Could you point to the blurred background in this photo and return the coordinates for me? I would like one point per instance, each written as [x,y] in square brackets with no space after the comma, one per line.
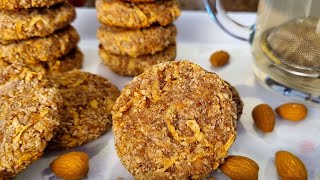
[230,5]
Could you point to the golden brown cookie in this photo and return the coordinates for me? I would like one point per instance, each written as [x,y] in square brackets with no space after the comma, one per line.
[35,50]
[141,1]
[136,42]
[174,121]
[36,22]
[237,99]
[26,4]
[73,60]
[124,14]
[86,111]
[29,117]
[130,66]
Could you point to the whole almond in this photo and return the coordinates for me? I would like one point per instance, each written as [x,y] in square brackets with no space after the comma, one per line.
[240,168]
[292,111]
[290,166]
[264,117]
[71,166]
[219,58]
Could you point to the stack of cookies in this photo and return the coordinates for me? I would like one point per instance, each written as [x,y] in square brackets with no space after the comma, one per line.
[37,34]
[136,34]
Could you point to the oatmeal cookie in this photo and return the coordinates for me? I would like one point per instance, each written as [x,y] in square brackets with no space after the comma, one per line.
[29,116]
[35,50]
[27,23]
[124,14]
[130,66]
[86,111]
[174,121]
[141,1]
[237,99]
[73,60]
[26,4]
[136,42]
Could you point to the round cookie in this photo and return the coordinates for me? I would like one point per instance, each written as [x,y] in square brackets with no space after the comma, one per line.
[141,1]
[35,50]
[237,99]
[174,121]
[124,14]
[27,23]
[26,4]
[29,117]
[130,66]
[86,111]
[136,42]
[73,60]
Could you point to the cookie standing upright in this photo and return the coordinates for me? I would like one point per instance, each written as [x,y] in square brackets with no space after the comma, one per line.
[29,117]
[34,31]
[135,33]
[175,121]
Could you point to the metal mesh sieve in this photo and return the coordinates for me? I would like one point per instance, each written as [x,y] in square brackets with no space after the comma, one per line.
[295,46]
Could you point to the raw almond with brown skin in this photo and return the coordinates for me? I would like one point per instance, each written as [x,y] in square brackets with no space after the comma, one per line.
[240,168]
[264,117]
[71,166]
[219,58]
[292,111]
[290,166]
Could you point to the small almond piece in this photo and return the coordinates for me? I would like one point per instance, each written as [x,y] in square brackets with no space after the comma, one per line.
[240,168]
[219,58]
[71,166]
[264,117]
[292,111]
[290,166]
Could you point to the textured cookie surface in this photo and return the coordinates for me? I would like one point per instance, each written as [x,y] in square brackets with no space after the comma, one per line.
[35,50]
[130,66]
[237,100]
[86,111]
[136,42]
[29,116]
[140,1]
[124,14]
[174,121]
[23,24]
[73,60]
[26,4]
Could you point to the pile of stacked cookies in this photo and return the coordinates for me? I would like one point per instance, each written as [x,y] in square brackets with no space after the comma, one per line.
[57,112]
[136,34]
[37,33]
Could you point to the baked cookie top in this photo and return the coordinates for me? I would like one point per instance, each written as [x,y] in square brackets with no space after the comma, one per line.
[140,1]
[26,4]
[125,14]
[29,116]
[35,22]
[86,111]
[174,121]
[136,42]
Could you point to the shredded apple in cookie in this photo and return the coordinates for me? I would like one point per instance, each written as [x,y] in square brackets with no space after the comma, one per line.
[174,121]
